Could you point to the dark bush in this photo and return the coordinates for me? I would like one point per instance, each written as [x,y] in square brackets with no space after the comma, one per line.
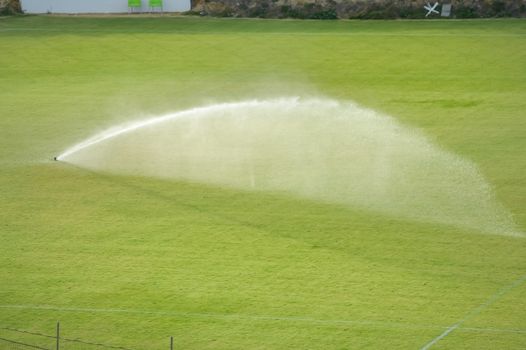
[465,11]
[362,9]
[10,7]
[324,14]
[259,10]
[287,11]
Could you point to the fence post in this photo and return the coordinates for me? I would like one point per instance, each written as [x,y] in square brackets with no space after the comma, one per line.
[58,335]
[171,343]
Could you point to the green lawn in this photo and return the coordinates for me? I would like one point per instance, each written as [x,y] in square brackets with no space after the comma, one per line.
[130,261]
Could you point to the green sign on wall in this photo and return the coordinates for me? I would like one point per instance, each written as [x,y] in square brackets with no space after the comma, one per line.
[134,3]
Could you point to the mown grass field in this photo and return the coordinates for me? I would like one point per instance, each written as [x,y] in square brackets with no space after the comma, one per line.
[130,261]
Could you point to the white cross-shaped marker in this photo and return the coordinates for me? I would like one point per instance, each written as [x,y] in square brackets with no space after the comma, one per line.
[431,9]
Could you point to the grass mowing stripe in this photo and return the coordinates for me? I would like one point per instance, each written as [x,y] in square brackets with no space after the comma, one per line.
[492,300]
[186,32]
[169,199]
[223,316]
[378,324]
[490,330]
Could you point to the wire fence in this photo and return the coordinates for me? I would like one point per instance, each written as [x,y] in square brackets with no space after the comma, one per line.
[11,338]
[13,344]
[19,339]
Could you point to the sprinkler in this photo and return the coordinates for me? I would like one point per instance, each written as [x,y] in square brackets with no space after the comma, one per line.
[55,158]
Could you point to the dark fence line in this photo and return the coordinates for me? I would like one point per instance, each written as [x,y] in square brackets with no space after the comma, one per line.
[93,344]
[28,332]
[59,342]
[22,344]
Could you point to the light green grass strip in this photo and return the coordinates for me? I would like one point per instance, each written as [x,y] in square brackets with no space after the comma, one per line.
[291,33]
[375,324]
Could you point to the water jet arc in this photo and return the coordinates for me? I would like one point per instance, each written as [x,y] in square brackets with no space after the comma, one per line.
[126,128]
[320,149]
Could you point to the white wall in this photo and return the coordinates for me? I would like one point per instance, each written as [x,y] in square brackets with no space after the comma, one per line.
[95,6]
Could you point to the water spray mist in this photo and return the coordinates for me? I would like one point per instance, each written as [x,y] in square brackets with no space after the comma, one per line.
[336,152]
